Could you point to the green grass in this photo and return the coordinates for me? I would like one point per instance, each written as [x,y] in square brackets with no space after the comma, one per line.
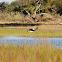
[39,33]
[40,53]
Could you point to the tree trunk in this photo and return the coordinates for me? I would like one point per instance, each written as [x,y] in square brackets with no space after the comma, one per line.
[36,10]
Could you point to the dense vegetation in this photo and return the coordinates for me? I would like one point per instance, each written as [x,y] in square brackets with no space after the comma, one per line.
[54,5]
[29,11]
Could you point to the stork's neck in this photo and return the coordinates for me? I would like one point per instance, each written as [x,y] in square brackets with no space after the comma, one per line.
[36,28]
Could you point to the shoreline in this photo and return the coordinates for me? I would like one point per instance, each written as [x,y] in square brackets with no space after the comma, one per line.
[26,24]
[43,31]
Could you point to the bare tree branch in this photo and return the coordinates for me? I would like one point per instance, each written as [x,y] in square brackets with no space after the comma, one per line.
[36,10]
[38,7]
[28,13]
[38,1]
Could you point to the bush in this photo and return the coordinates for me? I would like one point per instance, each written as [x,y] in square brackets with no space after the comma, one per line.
[57,4]
[31,9]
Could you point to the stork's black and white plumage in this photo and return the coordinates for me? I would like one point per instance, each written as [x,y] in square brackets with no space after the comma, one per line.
[32,30]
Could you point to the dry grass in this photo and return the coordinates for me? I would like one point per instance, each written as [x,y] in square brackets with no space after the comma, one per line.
[16,17]
[11,17]
[51,27]
[40,53]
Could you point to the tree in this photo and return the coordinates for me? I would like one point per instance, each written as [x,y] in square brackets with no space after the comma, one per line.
[3,6]
[57,5]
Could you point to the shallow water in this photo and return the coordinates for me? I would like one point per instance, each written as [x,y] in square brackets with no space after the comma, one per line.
[30,41]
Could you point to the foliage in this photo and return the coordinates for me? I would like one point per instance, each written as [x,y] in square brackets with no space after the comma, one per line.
[31,9]
[57,4]
[14,6]
[19,5]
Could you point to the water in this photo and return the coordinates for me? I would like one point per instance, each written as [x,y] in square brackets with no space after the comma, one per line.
[30,41]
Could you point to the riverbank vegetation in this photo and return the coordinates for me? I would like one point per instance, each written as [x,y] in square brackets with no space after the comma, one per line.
[39,53]
[29,11]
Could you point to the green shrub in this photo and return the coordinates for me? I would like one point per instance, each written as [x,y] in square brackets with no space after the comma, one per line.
[31,9]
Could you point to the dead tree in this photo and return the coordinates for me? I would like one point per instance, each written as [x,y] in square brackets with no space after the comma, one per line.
[38,3]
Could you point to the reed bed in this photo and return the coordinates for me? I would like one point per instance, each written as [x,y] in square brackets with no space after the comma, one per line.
[26,53]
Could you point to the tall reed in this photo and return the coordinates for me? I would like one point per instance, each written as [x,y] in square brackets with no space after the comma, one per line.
[26,53]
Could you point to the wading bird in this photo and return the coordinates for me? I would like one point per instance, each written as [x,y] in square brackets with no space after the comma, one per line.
[32,30]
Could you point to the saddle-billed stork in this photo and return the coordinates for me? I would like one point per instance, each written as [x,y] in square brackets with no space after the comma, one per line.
[32,30]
